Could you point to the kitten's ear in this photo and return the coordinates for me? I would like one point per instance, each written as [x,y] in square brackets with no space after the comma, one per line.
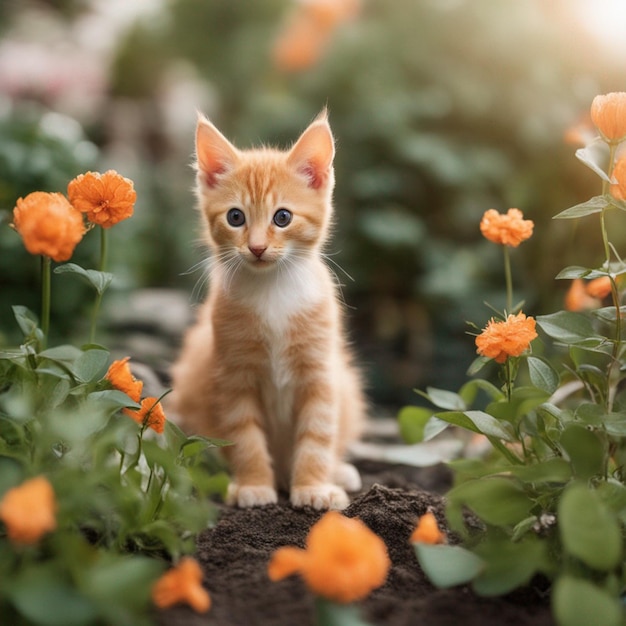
[313,153]
[214,152]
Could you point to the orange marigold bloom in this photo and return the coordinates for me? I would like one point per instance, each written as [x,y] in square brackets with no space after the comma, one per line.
[29,511]
[502,339]
[122,379]
[508,229]
[308,30]
[343,560]
[608,113]
[599,287]
[182,583]
[578,299]
[49,224]
[106,198]
[427,530]
[150,414]
[618,189]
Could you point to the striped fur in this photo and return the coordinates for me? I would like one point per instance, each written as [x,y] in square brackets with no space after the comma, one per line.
[266,365]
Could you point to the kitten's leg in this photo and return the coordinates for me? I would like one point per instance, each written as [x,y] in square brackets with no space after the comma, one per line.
[314,454]
[348,477]
[250,462]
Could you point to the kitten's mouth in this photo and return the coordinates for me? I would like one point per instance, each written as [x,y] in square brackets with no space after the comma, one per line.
[259,263]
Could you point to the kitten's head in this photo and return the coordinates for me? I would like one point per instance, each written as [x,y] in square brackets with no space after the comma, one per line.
[264,207]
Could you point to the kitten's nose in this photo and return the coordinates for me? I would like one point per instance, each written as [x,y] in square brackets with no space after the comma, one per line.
[258,252]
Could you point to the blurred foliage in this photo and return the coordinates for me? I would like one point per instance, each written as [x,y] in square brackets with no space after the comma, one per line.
[441,110]
[39,150]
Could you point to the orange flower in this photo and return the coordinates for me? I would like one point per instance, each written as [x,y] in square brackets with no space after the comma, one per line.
[28,511]
[182,583]
[150,414]
[578,299]
[608,113]
[508,230]
[618,189]
[343,560]
[502,339]
[48,224]
[122,379]
[427,530]
[599,287]
[308,31]
[106,198]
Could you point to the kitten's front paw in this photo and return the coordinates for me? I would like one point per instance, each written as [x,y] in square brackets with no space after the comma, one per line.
[348,477]
[320,497]
[246,496]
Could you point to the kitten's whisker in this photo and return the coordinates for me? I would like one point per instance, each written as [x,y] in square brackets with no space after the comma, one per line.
[331,260]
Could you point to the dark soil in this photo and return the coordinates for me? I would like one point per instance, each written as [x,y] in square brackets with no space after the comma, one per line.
[235,554]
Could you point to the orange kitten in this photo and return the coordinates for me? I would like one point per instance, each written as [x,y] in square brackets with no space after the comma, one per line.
[266,365]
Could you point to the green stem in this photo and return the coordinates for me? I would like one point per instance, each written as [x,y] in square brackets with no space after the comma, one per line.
[45,298]
[101,268]
[509,280]
[614,291]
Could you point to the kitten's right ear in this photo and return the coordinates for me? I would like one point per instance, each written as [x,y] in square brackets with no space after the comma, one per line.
[215,154]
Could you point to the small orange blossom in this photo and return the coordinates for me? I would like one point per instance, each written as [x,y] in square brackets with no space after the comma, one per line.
[343,560]
[29,511]
[150,414]
[48,224]
[122,379]
[182,583]
[106,198]
[502,339]
[578,299]
[608,113]
[599,287]
[508,229]
[427,530]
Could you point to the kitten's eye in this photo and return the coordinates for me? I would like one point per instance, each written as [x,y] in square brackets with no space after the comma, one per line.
[282,218]
[235,217]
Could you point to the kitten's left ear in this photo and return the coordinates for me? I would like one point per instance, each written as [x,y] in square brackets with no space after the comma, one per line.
[313,153]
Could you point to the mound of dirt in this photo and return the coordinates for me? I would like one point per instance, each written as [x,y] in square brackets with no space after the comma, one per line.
[235,553]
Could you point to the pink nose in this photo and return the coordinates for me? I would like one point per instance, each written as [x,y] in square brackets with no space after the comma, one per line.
[258,252]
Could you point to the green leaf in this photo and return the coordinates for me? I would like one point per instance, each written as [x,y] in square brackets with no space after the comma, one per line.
[434,427]
[111,400]
[566,326]
[577,602]
[26,319]
[508,565]
[477,364]
[594,156]
[329,613]
[479,422]
[98,280]
[593,205]
[197,443]
[584,449]
[589,529]
[122,580]
[448,566]
[551,471]
[45,598]
[572,272]
[91,365]
[542,374]
[497,500]
[470,389]
[64,354]
[443,399]
[412,420]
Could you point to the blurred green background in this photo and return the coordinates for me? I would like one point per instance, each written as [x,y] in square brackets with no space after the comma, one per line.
[441,109]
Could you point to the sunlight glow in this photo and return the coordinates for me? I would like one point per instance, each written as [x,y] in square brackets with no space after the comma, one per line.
[606,21]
